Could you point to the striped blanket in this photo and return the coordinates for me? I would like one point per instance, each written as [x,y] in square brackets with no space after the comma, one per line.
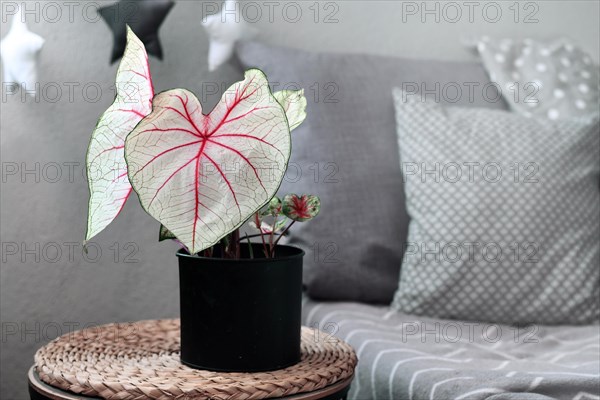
[409,357]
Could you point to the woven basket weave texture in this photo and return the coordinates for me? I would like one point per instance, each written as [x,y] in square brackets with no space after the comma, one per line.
[140,360]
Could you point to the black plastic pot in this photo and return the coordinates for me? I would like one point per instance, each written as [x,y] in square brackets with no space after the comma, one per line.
[241,315]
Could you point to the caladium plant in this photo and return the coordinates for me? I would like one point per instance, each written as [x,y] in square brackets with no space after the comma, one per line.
[201,175]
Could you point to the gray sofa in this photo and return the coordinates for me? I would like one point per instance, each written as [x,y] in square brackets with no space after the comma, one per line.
[407,357]
[354,249]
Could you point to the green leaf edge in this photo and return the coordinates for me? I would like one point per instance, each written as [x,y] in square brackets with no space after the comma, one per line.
[165,234]
[286,93]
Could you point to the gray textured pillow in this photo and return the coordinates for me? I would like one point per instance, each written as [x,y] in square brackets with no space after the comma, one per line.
[346,152]
[554,79]
[505,213]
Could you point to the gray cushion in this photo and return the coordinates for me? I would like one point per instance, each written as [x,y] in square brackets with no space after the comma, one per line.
[504,224]
[347,154]
[554,79]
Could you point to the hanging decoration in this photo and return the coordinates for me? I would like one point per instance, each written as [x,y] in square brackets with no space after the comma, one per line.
[18,51]
[144,17]
[224,30]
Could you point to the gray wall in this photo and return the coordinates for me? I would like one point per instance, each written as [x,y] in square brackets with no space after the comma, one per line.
[44,293]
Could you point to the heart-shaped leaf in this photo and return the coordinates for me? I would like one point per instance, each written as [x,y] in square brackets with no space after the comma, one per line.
[301,208]
[201,175]
[105,161]
[294,104]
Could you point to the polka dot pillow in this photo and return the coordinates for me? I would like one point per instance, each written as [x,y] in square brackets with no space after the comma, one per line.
[552,79]
[504,215]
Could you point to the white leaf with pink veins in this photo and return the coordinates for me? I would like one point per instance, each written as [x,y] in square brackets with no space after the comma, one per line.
[201,175]
[106,167]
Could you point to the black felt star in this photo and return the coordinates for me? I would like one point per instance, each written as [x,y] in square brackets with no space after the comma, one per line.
[143,17]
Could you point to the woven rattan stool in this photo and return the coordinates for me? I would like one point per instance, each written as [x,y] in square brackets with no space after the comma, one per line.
[141,361]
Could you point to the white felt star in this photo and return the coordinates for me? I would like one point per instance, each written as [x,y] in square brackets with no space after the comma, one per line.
[223,31]
[18,50]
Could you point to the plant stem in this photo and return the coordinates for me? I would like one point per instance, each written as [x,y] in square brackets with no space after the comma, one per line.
[253,236]
[250,251]
[257,222]
[235,244]
[207,252]
[283,233]
[225,250]
[271,238]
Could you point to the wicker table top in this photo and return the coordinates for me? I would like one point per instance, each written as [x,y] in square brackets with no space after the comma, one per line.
[141,360]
